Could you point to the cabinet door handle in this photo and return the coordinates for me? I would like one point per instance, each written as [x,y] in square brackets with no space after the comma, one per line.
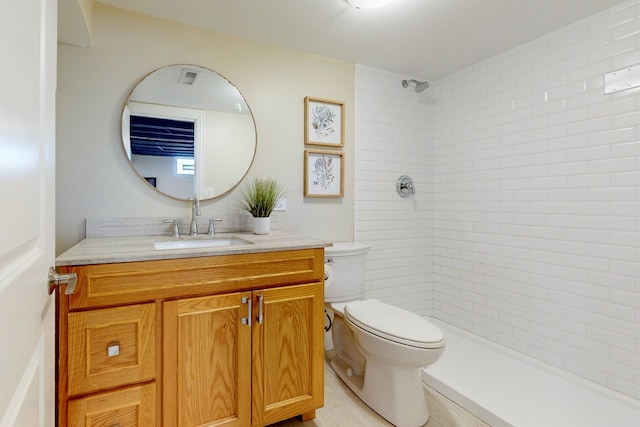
[260,316]
[247,320]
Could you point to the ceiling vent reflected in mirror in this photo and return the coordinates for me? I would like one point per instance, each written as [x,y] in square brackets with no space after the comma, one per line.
[189,77]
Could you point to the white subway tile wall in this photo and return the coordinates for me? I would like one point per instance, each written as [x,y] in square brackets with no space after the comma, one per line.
[531,178]
[394,138]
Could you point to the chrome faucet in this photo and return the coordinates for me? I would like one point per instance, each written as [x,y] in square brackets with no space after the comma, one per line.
[195,211]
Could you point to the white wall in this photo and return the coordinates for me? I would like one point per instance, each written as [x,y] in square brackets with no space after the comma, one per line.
[163,168]
[393,138]
[527,214]
[94,179]
[229,133]
[537,200]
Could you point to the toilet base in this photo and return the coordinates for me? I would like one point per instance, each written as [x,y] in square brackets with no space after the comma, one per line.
[394,393]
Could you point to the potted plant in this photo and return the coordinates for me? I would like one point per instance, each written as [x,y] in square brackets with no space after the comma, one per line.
[259,198]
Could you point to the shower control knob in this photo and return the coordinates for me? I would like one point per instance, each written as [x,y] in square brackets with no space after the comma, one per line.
[405,187]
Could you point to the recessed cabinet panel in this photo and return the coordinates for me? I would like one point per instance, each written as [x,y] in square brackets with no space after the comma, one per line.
[288,356]
[111,347]
[208,351]
[132,407]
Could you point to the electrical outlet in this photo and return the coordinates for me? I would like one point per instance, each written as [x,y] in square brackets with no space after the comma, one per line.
[281,205]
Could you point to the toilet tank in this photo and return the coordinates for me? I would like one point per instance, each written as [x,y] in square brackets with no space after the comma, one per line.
[344,271]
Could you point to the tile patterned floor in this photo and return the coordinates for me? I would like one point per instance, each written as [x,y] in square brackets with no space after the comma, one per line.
[342,408]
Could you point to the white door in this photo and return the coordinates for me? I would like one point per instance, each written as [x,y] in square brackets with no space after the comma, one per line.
[27,172]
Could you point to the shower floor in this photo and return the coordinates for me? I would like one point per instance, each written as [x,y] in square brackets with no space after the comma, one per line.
[505,388]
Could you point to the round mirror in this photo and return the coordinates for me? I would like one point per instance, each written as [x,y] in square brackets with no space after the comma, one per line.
[188,131]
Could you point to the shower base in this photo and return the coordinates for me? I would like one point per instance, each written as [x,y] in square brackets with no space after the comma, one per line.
[505,388]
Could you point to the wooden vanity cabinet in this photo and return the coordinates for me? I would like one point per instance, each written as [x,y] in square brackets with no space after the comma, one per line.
[232,340]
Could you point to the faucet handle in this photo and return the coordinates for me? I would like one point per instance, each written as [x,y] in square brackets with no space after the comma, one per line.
[173,228]
[212,228]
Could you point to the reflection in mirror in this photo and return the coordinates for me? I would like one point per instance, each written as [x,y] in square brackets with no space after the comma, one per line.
[188,131]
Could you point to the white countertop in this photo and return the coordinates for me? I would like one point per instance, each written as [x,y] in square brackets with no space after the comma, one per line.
[105,250]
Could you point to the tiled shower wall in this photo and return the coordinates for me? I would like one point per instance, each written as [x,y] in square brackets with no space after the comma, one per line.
[530,178]
[393,138]
[537,200]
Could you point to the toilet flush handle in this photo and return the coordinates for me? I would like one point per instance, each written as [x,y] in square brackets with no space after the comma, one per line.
[328,261]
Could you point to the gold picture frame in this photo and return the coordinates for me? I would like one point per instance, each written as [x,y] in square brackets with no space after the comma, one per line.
[323,122]
[323,173]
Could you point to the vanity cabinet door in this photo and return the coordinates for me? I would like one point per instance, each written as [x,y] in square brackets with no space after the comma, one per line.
[207,361]
[287,353]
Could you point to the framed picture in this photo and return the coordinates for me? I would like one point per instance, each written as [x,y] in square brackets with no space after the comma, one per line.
[323,173]
[323,122]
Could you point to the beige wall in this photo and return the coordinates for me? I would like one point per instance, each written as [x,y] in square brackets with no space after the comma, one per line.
[93,179]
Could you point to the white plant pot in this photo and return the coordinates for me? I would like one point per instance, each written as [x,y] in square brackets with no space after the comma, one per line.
[261,225]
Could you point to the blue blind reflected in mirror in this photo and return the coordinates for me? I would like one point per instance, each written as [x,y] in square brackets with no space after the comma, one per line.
[152,136]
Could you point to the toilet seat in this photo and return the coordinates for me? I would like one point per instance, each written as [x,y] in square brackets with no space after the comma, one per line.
[394,324]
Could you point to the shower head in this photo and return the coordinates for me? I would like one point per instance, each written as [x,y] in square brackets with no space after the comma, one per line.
[420,86]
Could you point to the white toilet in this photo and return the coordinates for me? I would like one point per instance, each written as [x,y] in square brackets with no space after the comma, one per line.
[380,348]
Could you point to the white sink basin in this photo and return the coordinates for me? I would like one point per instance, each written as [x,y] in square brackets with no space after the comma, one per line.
[198,243]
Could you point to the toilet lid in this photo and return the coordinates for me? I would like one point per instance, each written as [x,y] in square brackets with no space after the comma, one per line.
[394,324]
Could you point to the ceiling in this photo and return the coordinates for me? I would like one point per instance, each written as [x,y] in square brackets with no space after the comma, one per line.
[423,39]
